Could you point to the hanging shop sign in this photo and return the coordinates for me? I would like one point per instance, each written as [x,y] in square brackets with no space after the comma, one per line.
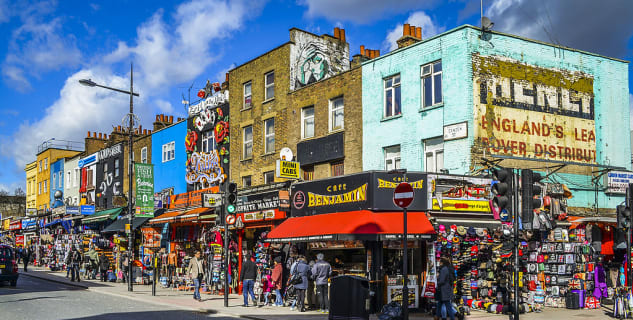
[618,181]
[211,200]
[205,167]
[31,211]
[88,160]
[15,225]
[6,224]
[384,185]
[288,169]
[527,111]
[87,209]
[19,240]
[262,215]
[29,224]
[59,210]
[72,210]
[452,193]
[258,202]
[144,189]
[456,131]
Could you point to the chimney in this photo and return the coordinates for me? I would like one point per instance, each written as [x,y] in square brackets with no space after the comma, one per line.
[226,76]
[157,118]
[144,131]
[88,136]
[343,35]
[162,118]
[140,128]
[410,35]
[362,50]
[94,134]
[119,128]
[100,135]
[337,33]
[171,119]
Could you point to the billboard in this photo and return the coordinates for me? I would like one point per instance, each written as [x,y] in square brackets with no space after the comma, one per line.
[144,189]
[450,193]
[526,111]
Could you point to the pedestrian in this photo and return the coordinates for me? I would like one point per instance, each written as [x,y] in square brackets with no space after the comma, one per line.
[67,262]
[310,294]
[445,283]
[104,265]
[267,286]
[27,257]
[321,271]
[75,260]
[277,281]
[172,262]
[248,274]
[196,272]
[125,265]
[302,269]
[93,257]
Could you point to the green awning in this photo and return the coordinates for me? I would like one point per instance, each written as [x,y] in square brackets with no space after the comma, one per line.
[103,215]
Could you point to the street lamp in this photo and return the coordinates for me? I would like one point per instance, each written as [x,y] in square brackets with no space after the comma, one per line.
[90,83]
[405,287]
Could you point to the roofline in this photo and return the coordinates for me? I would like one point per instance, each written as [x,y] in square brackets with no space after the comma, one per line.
[259,56]
[465,26]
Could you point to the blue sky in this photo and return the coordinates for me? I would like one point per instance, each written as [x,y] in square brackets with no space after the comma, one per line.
[46,46]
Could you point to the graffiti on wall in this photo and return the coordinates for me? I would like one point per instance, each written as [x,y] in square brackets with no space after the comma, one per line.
[526,111]
[109,187]
[205,168]
[313,58]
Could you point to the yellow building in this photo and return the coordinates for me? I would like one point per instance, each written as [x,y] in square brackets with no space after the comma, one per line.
[31,186]
[47,154]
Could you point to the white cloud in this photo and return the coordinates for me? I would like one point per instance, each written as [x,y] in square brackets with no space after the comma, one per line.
[164,106]
[361,11]
[418,19]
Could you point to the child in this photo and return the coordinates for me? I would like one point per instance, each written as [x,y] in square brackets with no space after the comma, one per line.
[267,286]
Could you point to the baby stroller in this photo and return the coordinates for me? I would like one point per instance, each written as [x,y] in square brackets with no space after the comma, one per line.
[290,295]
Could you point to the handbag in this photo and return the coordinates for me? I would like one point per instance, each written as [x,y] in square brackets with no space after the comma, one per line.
[296,279]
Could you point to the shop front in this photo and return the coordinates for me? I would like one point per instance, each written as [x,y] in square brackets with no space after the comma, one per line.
[353,221]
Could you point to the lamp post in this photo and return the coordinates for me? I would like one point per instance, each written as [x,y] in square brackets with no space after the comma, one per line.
[405,281]
[90,83]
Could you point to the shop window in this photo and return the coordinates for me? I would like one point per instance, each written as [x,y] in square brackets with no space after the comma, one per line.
[269,135]
[392,157]
[431,84]
[337,169]
[248,102]
[248,142]
[308,173]
[269,83]
[307,122]
[116,167]
[246,181]
[144,155]
[208,141]
[269,177]
[105,170]
[434,155]
[336,114]
[90,176]
[392,96]
[169,151]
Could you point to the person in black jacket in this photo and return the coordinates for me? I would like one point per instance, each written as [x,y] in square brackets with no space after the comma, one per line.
[75,260]
[445,284]
[104,265]
[248,274]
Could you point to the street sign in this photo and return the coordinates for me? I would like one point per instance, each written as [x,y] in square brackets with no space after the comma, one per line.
[403,195]
[230,219]
[211,200]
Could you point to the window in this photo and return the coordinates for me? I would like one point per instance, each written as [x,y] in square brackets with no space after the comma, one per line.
[105,170]
[90,183]
[336,114]
[269,135]
[40,167]
[60,180]
[45,182]
[208,141]
[269,84]
[75,201]
[54,180]
[308,173]
[169,151]
[76,180]
[434,155]
[269,177]
[392,96]
[248,102]
[68,179]
[431,84]
[248,142]
[337,169]
[116,167]
[307,122]
[144,155]
[46,164]
[392,157]
[39,191]
[246,181]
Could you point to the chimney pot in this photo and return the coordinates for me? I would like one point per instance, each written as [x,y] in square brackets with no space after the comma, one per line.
[157,117]
[337,33]
[406,30]
[418,33]
[226,76]
[362,50]
[144,131]
[377,53]
[100,135]
[412,31]
[88,136]
[171,119]
[94,134]
[343,35]
[118,129]
[140,128]
[149,131]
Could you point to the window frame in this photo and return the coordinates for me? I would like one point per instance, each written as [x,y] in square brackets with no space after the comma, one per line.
[250,181]
[45,164]
[248,105]
[45,186]
[308,173]
[270,174]
[331,112]
[433,146]
[169,152]
[144,157]
[60,179]
[68,176]
[393,95]
[396,157]
[303,122]
[54,181]
[431,76]
[268,85]
[208,136]
[267,135]
[335,166]
[39,191]
[247,144]
[116,167]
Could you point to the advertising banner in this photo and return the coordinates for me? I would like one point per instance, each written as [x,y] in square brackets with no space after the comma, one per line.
[19,240]
[526,111]
[15,225]
[288,169]
[87,209]
[451,193]
[384,185]
[144,189]
[72,210]
[258,202]
[618,181]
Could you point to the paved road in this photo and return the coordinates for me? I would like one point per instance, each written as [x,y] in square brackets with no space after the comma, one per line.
[38,299]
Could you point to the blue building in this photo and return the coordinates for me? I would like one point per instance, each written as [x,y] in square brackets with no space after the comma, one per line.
[453,101]
[57,183]
[170,159]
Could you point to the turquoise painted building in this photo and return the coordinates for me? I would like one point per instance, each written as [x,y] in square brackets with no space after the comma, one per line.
[446,103]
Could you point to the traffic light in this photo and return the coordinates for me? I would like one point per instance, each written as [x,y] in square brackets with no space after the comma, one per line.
[623,217]
[502,190]
[231,197]
[530,196]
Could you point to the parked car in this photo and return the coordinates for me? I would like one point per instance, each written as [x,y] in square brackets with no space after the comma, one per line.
[8,265]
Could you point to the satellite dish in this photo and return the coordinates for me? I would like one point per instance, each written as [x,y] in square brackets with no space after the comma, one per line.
[286,154]
[486,24]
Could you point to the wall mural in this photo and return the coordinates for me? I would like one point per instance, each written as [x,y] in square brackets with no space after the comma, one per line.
[313,58]
[109,175]
[207,139]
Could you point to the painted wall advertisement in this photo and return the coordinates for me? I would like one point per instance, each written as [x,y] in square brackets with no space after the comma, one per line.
[459,193]
[618,181]
[526,111]
[313,58]
[144,189]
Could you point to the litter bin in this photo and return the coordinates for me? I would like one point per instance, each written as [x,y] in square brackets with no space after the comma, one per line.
[349,298]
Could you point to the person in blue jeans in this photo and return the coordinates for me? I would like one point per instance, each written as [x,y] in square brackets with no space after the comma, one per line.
[277,281]
[444,290]
[248,274]
[196,272]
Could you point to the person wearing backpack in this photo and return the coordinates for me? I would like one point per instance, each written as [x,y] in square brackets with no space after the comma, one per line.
[445,284]
[302,269]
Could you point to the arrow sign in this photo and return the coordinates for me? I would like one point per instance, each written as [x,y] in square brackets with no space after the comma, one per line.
[403,195]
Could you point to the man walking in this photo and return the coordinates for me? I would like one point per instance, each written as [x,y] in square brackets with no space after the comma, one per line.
[27,257]
[104,265]
[321,271]
[196,272]
[248,275]
[75,260]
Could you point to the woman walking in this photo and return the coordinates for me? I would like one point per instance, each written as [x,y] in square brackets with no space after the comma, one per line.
[445,286]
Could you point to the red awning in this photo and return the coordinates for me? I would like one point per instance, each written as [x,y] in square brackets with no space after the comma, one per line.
[353,225]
